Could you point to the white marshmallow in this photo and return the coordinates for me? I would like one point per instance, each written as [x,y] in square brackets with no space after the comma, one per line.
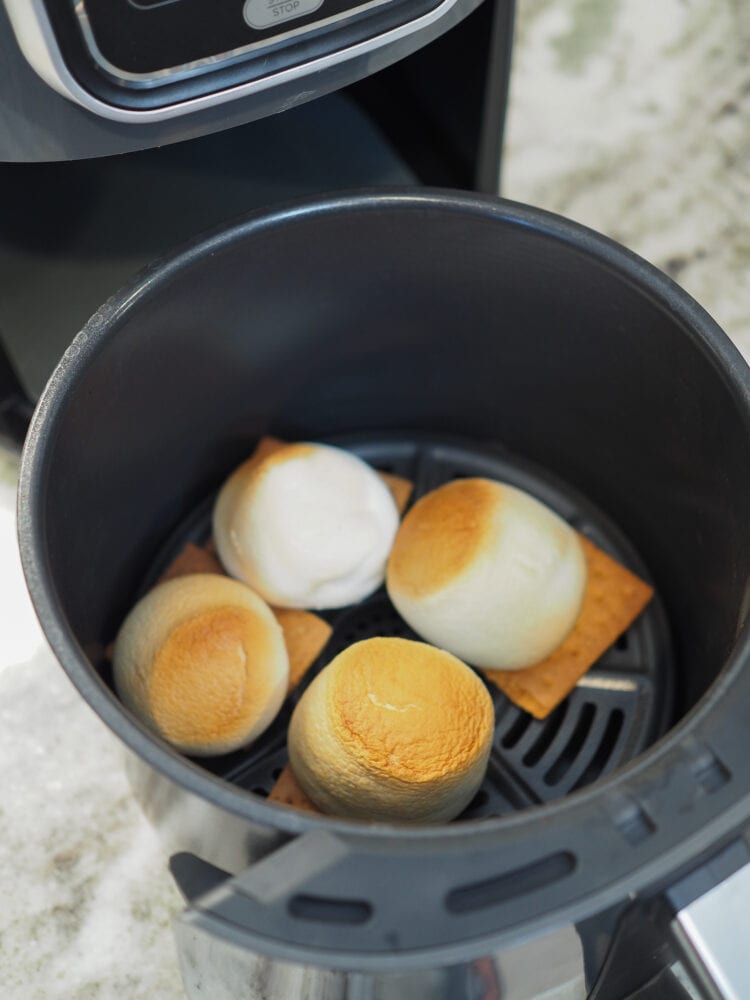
[310,526]
[488,573]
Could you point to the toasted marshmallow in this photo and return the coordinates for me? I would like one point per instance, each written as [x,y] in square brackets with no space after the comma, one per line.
[310,526]
[487,572]
[201,660]
[392,730]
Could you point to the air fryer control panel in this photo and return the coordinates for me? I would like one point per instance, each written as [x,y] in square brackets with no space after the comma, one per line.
[148,54]
[137,41]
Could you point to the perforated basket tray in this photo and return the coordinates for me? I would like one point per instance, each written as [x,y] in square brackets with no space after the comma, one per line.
[617,709]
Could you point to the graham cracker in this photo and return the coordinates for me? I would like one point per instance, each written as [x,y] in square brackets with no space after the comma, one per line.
[613,599]
[305,635]
[401,489]
[192,559]
[265,447]
[288,792]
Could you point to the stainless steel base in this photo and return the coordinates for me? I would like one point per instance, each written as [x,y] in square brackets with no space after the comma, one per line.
[549,968]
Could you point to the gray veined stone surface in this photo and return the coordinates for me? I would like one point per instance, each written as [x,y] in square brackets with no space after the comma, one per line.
[87,903]
[632,116]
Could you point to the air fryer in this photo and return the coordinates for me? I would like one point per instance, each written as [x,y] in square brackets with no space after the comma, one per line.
[437,335]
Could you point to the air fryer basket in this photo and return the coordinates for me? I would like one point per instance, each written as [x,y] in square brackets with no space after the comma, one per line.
[400,319]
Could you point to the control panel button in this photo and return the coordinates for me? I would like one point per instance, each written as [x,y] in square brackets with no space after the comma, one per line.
[261,14]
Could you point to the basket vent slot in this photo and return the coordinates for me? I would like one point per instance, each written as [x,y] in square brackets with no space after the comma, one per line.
[516,731]
[325,910]
[511,885]
[710,773]
[604,751]
[544,741]
[573,747]
[634,823]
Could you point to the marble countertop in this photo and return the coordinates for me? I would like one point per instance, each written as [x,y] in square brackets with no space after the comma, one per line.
[633,117]
[87,900]
[628,115]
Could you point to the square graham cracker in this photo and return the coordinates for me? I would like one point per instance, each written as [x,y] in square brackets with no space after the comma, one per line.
[192,559]
[305,636]
[613,599]
[288,792]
